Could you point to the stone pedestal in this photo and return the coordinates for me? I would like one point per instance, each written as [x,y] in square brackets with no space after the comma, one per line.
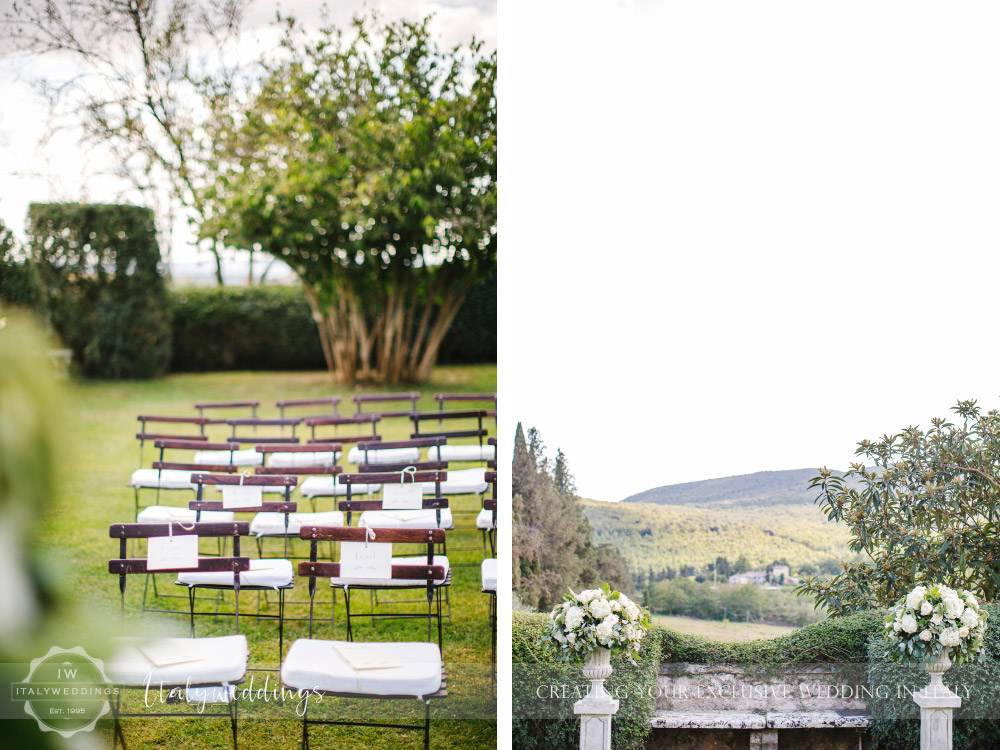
[597,707]
[936,703]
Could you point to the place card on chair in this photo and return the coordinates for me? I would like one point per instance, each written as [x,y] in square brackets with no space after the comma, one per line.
[361,560]
[168,654]
[178,552]
[360,656]
[242,496]
[403,496]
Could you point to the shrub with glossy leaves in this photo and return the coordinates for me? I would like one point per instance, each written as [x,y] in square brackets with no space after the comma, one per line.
[923,507]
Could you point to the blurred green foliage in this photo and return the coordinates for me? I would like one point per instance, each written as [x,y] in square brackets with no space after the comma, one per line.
[102,289]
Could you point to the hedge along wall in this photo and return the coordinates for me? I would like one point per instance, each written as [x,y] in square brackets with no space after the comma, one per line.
[271,328]
[101,288]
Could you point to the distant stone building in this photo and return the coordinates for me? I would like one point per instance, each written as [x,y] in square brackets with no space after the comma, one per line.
[758,577]
[781,574]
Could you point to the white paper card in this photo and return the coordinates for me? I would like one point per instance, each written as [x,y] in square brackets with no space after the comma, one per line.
[177,552]
[402,496]
[366,656]
[242,496]
[360,560]
[163,654]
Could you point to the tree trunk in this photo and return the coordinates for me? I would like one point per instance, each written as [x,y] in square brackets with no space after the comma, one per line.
[450,306]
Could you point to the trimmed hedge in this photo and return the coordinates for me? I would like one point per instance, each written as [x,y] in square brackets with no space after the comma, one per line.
[896,718]
[243,328]
[836,640]
[272,328]
[102,292]
[545,690]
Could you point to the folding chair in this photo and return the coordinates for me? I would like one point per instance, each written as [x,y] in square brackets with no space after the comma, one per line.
[204,406]
[235,424]
[486,521]
[218,664]
[383,398]
[315,666]
[397,452]
[443,398]
[434,513]
[337,423]
[488,573]
[476,452]
[292,463]
[263,575]
[298,403]
[428,572]
[175,475]
[144,435]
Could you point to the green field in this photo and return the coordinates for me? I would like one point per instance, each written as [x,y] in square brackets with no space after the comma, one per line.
[721,631]
[98,455]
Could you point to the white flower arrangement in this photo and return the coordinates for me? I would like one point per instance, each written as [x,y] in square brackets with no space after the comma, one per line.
[934,618]
[593,619]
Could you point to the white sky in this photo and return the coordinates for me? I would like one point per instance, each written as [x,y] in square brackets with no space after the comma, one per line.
[748,235]
[62,171]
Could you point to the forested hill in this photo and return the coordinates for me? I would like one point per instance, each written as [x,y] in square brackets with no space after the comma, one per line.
[763,488]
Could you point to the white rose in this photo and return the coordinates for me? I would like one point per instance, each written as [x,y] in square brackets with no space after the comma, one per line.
[963,632]
[599,608]
[969,618]
[909,623]
[926,635]
[926,609]
[896,626]
[936,619]
[611,620]
[574,618]
[916,596]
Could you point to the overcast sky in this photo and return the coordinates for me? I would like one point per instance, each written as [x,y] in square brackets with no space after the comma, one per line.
[748,234]
[62,171]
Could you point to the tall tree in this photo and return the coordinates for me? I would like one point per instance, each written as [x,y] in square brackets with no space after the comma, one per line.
[367,161]
[562,476]
[138,78]
[553,547]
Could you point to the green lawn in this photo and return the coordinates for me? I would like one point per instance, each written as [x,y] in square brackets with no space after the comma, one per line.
[721,631]
[99,454]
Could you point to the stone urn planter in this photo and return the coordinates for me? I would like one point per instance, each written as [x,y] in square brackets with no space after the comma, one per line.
[597,707]
[936,703]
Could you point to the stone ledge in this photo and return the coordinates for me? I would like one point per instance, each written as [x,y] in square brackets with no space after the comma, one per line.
[759,720]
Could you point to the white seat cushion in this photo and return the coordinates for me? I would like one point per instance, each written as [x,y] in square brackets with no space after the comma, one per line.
[270,573]
[167,479]
[462,453]
[248,457]
[273,524]
[406,519]
[389,582]
[489,574]
[303,459]
[167,514]
[485,520]
[224,660]
[462,482]
[327,487]
[383,455]
[316,665]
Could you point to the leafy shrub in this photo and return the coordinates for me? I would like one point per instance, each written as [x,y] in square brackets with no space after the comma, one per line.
[684,596]
[18,280]
[544,691]
[895,718]
[272,328]
[98,267]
